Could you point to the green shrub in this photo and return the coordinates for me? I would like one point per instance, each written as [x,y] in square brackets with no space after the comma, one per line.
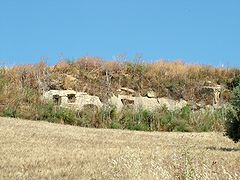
[183,120]
[65,115]
[126,118]
[10,111]
[185,113]
[177,120]
[143,117]
[207,120]
[179,125]
[51,113]
[110,117]
[232,124]
[136,119]
[139,127]
[234,82]
[45,112]
[165,120]
[89,116]
[235,100]
[109,113]
[115,125]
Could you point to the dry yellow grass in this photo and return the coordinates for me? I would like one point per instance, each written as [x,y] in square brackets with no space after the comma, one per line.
[41,150]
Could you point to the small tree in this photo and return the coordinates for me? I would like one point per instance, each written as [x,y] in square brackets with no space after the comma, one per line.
[232,124]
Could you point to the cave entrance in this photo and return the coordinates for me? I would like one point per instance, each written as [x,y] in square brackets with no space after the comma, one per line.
[56,99]
[71,98]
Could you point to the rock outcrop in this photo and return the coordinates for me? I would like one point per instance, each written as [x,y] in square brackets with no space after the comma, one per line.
[147,103]
[77,100]
[215,90]
[71,99]
[151,94]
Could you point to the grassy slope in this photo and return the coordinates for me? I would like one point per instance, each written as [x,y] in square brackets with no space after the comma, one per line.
[30,149]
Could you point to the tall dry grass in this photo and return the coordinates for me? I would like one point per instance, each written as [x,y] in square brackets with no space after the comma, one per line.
[40,150]
[174,79]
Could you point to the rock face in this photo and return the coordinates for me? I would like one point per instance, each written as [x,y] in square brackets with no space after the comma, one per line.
[71,99]
[215,90]
[150,104]
[126,91]
[114,100]
[77,101]
[155,103]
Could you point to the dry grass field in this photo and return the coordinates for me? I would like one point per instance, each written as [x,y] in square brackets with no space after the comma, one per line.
[41,150]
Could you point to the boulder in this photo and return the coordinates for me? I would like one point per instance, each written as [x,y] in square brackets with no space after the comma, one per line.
[151,94]
[180,104]
[126,91]
[146,103]
[115,101]
[71,99]
[169,103]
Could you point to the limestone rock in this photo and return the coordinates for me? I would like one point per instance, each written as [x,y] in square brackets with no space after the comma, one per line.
[126,91]
[146,103]
[114,100]
[71,99]
[151,94]
[215,90]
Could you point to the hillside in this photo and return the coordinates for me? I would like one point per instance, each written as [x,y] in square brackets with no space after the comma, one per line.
[33,149]
[22,88]
[173,79]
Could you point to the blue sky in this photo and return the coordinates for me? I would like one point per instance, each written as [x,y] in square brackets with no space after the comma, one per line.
[203,32]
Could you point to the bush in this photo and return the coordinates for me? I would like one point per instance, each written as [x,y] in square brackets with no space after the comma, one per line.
[232,124]
[45,112]
[10,112]
[177,120]
[51,113]
[140,120]
[207,120]
[115,125]
[89,116]
[66,115]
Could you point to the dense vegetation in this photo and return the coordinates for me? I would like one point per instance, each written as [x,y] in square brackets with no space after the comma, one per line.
[21,88]
[233,116]
[183,120]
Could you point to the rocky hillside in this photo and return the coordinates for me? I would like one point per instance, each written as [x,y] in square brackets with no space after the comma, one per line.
[175,80]
[22,88]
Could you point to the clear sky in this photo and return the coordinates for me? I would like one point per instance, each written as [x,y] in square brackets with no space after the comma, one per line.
[196,31]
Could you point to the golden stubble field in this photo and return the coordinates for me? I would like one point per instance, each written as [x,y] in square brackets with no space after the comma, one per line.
[41,150]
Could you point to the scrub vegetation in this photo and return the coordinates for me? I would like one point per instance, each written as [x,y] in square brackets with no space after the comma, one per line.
[232,123]
[174,80]
[21,88]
